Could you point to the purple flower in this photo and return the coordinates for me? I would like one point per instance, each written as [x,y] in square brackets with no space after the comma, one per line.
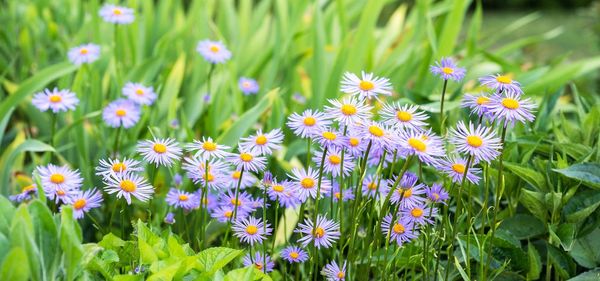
[455,166]
[345,195]
[246,159]
[27,193]
[370,187]
[139,93]
[181,199]
[480,142]
[511,108]
[251,230]
[248,86]
[259,262]
[294,254]
[306,182]
[333,272]
[121,112]
[213,51]
[501,83]
[425,145]
[436,193]
[407,194]
[169,218]
[419,214]
[447,69]
[322,234]
[55,100]
[84,201]
[244,201]
[309,124]
[263,143]
[401,231]
[333,162]
[478,103]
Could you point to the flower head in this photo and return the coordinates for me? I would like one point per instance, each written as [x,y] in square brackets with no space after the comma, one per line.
[213,175]
[322,234]
[480,142]
[401,230]
[169,218]
[225,213]
[251,230]
[511,108]
[455,168]
[244,202]
[436,193]
[181,199]
[84,201]
[367,86]
[306,182]
[121,113]
[408,193]
[213,51]
[117,14]
[333,272]
[478,103]
[309,124]
[420,214]
[375,187]
[334,162]
[110,165]
[329,137]
[86,53]
[403,116]
[27,193]
[294,254]
[259,262]
[55,100]
[447,69]
[280,189]
[59,183]
[160,151]
[378,134]
[234,177]
[263,143]
[338,194]
[207,149]
[127,185]
[424,144]
[247,160]
[349,111]
[248,86]
[139,93]
[501,83]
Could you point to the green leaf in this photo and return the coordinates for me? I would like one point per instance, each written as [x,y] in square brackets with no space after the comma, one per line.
[535,203]
[22,235]
[233,134]
[15,266]
[213,259]
[588,173]
[535,263]
[70,243]
[7,211]
[46,236]
[523,226]
[592,275]
[531,176]
[563,263]
[586,250]
[247,273]
[581,205]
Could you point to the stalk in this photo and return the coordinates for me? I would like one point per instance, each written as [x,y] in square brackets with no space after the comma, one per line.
[442,108]
[316,258]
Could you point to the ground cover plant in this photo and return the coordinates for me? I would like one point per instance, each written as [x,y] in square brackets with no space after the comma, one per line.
[291,140]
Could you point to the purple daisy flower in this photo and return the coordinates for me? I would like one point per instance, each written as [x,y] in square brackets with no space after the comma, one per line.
[345,195]
[447,69]
[86,53]
[244,201]
[248,86]
[403,116]
[511,108]
[247,160]
[160,151]
[207,149]
[367,86]
[309,124]
[263,143]
[117,14]
[349,111]
[276,190]
[480,142]
[294,254]
[215,178]
[84,201]
[455,166]
[27,193]
[329,137]
[477,103]
[436,193]
[419,214]
[333,272]
[121,113]
[225,213]
[258,261]
[425,145]
[323,234]
[181,199]
[333,161]
[369,187]
[213,51]
[233,178]
[55,100]
[139,93]
[407,194]
[59,183]
[354,142]
[306,182]
[501,83]
[401,231]
[109,165]
[251,230]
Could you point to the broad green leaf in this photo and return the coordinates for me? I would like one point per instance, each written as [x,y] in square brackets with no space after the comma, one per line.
[70,243]
[563,263]
[535,203]
[588,173]
[586,250]
[523,226]
[22,235]
[592,275]
[213,259]
[581,205]
[531,176]
[15,266]
[147,253]
[46,236]
[535,263]
[166,272]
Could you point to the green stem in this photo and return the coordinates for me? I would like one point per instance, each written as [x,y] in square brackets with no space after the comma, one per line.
[316,264]
[116,145]
[442,108]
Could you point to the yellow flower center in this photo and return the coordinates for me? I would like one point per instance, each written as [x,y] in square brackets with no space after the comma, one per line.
[214,48]
[235,202]
[260,140]
[128,186]
[416,212]
[211,177]
[183,197]
[294,255]
[251,229]
[209,146]
[228,214]
[236,175]
[319,232]
[335,160]
[341,275]
[310,121]
[503,79]
[79,204]
[366,85]
[338,195]
[159,148]
[329,136]
[447,70]
[404,116]
[399,229]
[121,112]
[376,131]
[55,98]
[139,92]
[510,103]
[474,141]
[436,196]
[83,51]
[117,12]
[258,265]
[407,192]
[60,192]
[372,186]
[28,188]
[278,188]
[417,144]
[482,100]
[348,109]
[246,84]
[57,178]
[119,167]
[307,183]
[459,168]
[246,157]
[354,142]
